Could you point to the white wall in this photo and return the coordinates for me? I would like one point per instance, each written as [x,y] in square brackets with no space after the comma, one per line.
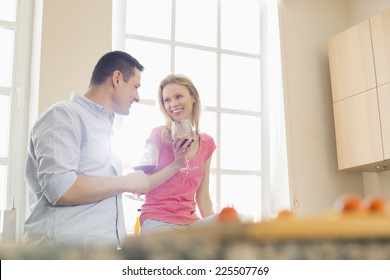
[73,35]
[360,10]
[314,178]
[306,26]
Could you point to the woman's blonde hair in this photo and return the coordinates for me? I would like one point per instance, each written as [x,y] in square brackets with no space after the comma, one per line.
[181,80]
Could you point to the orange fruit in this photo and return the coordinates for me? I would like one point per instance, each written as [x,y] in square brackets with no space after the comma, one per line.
[351,204]
[377,205]
[228,214]
[285,214]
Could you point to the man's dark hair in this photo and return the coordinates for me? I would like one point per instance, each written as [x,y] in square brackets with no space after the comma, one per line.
[112,61]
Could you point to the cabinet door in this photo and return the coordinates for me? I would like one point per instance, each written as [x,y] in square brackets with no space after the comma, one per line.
[358,132]
[380,32]
[351,61]
[384,110]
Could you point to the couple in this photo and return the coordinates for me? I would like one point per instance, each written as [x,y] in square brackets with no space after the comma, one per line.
[76,181]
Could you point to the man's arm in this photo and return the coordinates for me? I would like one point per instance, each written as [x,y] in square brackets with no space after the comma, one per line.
[92,189]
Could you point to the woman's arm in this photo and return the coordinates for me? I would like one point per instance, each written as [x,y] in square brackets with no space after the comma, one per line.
[202,196]
[180,161]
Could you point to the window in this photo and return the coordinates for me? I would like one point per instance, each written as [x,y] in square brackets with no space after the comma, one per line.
[15,37]
[7,47]
[217,43]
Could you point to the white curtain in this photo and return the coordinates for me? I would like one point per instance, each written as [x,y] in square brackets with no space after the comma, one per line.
[275,184]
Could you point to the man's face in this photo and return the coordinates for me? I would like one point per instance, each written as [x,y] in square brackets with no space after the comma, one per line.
[127,93]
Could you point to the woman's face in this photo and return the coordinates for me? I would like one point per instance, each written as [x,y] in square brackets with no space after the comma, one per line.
[178,102]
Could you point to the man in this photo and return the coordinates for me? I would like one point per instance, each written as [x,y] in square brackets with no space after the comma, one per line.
[75,178]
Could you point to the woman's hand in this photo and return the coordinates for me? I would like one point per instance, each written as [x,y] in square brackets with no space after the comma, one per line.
[180,147]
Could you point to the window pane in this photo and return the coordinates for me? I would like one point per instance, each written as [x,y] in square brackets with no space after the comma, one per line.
[239,32]
[208,124]
[136,129]
[4,124]
[243,193]
[6,56]
[246,131]
[240,83]
[8,10]
[156,60]
[201,68]
[196,22]
[149,18]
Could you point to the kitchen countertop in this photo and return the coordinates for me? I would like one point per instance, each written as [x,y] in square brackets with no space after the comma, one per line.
[275,240]
[331,239]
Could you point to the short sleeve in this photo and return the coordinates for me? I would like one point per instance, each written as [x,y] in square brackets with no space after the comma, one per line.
[210,144]
[155,135]
[159,135]
[56,141]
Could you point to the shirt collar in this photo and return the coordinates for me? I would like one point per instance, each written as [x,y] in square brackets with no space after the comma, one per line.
[91,106]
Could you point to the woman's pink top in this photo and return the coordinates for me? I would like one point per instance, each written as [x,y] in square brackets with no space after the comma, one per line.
[173,201]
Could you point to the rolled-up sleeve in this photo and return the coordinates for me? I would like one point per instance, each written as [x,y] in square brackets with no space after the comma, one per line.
[57,152]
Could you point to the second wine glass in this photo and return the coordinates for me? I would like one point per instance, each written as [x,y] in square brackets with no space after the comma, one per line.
[149,158]
[146,163]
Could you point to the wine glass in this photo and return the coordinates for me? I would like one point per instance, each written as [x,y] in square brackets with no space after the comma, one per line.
[184,129]
[146,163]
[149,158]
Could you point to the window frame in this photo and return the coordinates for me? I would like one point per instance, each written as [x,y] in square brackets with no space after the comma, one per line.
[16,187]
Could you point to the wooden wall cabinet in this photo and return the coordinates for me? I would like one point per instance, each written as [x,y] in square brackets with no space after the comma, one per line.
[359,61]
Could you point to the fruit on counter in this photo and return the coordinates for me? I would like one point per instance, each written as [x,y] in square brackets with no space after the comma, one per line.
[355,204]
[285,214]
[350,204]
[228,214]
[377,205]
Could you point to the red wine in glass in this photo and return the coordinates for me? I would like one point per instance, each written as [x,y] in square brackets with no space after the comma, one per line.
[186,140]
[183,128]
[149,158]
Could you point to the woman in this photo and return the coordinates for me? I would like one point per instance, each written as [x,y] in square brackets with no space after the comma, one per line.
[173,204]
